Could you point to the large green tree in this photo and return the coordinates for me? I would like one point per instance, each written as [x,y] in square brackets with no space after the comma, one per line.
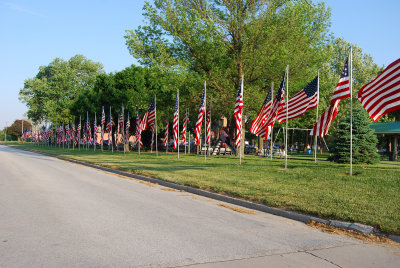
[50,94]
[16,128]
[220,41]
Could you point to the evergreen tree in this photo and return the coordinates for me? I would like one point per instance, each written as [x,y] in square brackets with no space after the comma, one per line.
[364,140]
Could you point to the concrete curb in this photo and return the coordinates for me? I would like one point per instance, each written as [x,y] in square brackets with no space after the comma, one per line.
[357,227]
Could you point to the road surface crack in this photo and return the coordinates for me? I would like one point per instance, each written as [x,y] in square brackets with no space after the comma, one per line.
[323,259]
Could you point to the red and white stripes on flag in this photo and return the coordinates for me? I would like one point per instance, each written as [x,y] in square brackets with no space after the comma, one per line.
[208,124]
[166,134]
[342,91]
[276,106]
[237,114]
[197,128]
[95,130]
[127,127]
[306,99]
[184,127]
[382,95]
[109,129]
[103,121]
[138,132]
[262,114]
[120,128]
[176,121]
[89,130]
[149,117]
[322,126]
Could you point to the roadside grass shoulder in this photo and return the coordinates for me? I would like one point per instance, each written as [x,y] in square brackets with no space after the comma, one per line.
[323,189]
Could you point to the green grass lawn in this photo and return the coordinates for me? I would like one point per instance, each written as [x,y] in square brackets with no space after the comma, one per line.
[323,189]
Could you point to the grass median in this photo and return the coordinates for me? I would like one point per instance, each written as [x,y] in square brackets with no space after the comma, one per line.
[323,189]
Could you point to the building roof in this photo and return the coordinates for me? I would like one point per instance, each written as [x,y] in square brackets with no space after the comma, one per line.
[386,128]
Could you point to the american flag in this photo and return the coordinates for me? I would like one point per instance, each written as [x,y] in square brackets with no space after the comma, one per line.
[306,99]
[208,124]
[120,128]
[342,91]
[176,121]
[84,134]
[262,114]
[237,114]
[276,106]
[103,121]
[197,128]
[109,129]
[95,130]
[382,95]
[127,127]
[184,127]
[149,117]
[67,133]
[78,136]
[88,130]
[166,134]
[73,131]
[138,132]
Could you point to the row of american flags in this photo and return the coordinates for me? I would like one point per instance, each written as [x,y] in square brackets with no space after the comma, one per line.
[378,97]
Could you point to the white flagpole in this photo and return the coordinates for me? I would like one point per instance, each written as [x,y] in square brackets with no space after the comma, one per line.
[177,133]
[351,111]
[186,128]
[155,123]
[316,120]
[272,128]
[287,107]
[205,121]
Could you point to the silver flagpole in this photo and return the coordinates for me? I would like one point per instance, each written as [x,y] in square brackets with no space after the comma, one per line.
[351,111]
[287,107]
[272,128]
[177,133]
[316,120]
[205,121]
[155,104]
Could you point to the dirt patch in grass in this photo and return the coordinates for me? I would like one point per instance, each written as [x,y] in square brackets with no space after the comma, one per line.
[370,238]
[237,209]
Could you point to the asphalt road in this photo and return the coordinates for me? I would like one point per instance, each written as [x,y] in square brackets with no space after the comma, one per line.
[57,214]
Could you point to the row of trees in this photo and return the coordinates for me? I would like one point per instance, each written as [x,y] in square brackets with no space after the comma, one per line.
[185,43]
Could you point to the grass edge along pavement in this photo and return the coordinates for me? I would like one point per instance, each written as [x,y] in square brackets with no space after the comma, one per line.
[322,190]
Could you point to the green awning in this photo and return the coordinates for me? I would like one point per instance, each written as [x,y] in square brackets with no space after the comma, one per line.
[386,128]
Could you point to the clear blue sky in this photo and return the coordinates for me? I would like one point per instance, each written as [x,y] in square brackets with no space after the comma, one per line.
[33,33]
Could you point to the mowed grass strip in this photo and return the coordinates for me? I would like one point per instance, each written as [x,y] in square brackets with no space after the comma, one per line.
[323,189]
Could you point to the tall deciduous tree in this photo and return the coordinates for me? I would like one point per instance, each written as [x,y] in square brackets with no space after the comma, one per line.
[222,40]
[50,94]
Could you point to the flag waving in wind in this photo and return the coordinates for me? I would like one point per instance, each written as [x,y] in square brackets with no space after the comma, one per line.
[304,100]
[138,132]
[149,117]
[184,127]
[342,91]
[166,134]
[237,114]
[382,95]
[262,114]
[197,128]
[276,106]
[176,121]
